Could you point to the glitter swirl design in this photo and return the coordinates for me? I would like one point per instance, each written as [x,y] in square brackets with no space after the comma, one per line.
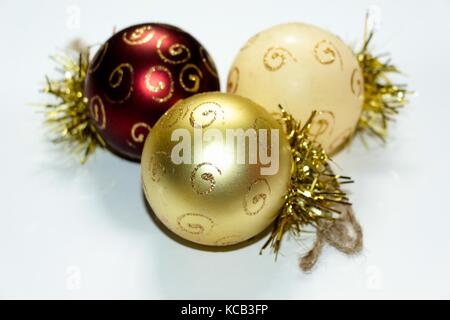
[156,167]
[116,81]
[194,77]
[195,223]
[233,80]
[97,61]
[178,52]
[164,79]
[356,83]
[250,42]
[277,57]
[326,52]
[172,116]
[255,201]
[205,114]
[139,36]
[341,140]
[98,112]
[229,240]
[139,132]
[322,123]
[207,176]
[208,62]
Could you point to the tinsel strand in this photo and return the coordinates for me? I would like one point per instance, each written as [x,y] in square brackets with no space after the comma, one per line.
[382,97]
[68,118]
[314,192]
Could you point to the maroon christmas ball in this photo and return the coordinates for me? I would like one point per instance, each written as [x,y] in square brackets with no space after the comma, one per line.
[137,75]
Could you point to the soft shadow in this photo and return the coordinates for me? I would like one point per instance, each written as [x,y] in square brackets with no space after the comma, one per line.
[186,270]
[173,236]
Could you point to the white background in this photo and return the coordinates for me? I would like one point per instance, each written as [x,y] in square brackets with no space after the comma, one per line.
[71,231]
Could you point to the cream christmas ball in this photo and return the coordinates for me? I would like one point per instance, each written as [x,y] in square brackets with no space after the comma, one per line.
[302,68]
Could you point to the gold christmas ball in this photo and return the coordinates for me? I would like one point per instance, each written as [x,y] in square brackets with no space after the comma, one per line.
[215,169]
[303,68]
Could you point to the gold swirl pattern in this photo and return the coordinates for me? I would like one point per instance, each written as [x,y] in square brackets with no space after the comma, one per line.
[326,53]
[261,123]
[139,36]
[233,80]
[195,223]
[207,176]
[140,138]
[208,62]
[228,240]
[98,112]
[96,62]
[172,116]
[276,57]
[156,168]
[162,85]
[322,123]
[205,114]
[116,79]
[175,50]
[195,78]
[341,140]
[258,200]
[356,83]
[250,42]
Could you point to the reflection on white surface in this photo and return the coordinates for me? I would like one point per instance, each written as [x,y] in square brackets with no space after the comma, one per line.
[71,231]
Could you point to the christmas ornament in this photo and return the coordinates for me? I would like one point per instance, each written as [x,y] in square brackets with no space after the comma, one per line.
[212,199]
[135,76]
[305,68]
[218,169]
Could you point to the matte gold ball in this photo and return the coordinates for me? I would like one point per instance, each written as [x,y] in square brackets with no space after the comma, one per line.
[215,169]
[303,68]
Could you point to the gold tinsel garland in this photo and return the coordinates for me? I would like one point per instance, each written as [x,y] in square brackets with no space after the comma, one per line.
[68,118]
[382,97]
[315,191]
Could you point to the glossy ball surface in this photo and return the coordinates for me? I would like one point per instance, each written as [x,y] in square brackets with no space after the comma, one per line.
[137,75]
